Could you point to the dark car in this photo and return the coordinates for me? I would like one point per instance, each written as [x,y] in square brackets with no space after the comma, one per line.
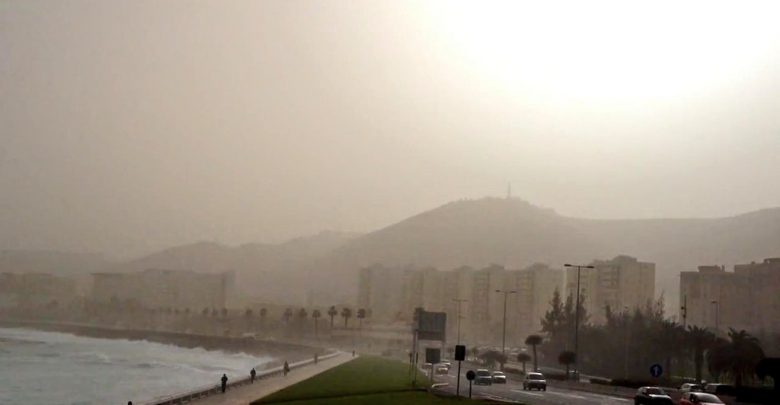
[535,381]
[719,389]
[483,377]
[651,396]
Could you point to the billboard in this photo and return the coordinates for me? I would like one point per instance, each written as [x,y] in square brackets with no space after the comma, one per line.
[430,325]
[432,355]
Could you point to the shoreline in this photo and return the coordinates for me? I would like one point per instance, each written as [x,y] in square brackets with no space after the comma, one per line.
[278,351]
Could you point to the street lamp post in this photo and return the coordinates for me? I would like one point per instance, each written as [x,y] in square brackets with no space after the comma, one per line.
[577,315]
[717,314]
[459,301]
[503,338]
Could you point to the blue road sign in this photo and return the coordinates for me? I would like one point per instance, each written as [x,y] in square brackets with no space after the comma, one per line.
[656,370]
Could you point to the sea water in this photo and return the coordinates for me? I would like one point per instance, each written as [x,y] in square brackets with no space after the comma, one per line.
[56,368]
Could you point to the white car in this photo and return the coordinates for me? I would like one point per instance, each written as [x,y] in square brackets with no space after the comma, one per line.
[483,377]
[499,377]
[535,381]
[688,387]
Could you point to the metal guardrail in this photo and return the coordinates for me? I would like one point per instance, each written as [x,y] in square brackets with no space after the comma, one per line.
[203,392]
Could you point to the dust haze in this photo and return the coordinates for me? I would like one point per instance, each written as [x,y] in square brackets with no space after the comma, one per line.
[283,179]
[128,128]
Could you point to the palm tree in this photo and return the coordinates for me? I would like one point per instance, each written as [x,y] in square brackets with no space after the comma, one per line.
[316,314]
[700,340]
[567,358]
[302,314]
[533,341]
[522,358]
[669,334]
[263,314]
[346,313]
[736,357]
[491,357]
[361,314]
[332,312]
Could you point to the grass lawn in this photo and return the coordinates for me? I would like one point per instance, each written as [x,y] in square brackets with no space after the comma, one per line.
[365,380]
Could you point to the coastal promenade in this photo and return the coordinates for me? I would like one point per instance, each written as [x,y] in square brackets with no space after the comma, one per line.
[246,393]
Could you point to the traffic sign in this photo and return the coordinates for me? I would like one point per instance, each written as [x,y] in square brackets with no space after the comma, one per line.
[656,370]
[470,375]
[460,352]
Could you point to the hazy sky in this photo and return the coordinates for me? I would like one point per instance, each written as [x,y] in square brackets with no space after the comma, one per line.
[127,126]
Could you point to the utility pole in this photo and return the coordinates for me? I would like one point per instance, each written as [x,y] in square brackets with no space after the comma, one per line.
[628,334]
[577,315]
[459,301]
[503,338]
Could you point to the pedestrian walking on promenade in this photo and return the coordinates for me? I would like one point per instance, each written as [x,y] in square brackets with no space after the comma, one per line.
[286,368]
[224,383]
[252,374]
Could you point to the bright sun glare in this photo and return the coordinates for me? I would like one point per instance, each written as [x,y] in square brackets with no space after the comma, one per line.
[610,50]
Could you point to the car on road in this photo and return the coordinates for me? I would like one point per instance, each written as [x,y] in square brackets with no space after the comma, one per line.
[499,377]
[699,398]
[719,389]
[690,387]
[441,369]
[534,381]
[652,396]
[483,377]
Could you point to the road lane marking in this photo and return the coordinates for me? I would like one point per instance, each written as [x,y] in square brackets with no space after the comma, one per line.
[568,395]
[536,394]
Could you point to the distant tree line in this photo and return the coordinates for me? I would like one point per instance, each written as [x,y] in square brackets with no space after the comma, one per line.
[629,342]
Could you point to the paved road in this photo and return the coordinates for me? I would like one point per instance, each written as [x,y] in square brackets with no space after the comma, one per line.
[513,391]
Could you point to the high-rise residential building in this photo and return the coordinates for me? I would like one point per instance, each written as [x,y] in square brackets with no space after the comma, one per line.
[35,289]
[379,292]
[400,290]
[486,304]
[746,298]
[763,294]
[154,288]
[423,288]
[621,283]
[458,285]
[535,286]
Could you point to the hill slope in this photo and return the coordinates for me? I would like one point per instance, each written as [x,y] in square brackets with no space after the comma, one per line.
[516,234]
[264,271]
